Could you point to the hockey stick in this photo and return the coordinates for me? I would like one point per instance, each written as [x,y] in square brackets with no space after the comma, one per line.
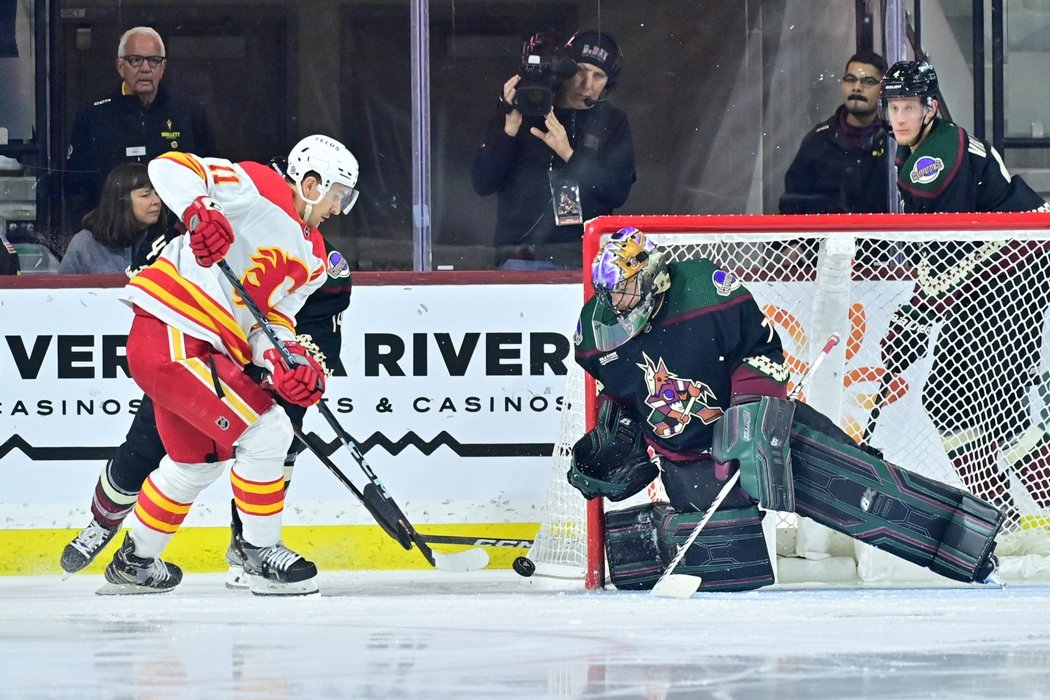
[876,410]
[388,519]
[374,496]
[502,543]
[672,585]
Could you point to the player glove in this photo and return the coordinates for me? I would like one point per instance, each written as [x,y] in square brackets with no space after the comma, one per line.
[907,338]
[303,382]
[210,231]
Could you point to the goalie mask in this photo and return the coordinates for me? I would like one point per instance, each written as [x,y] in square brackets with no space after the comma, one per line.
[629,278]
[332,163]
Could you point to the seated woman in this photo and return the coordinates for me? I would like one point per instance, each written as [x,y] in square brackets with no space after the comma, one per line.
[129,210]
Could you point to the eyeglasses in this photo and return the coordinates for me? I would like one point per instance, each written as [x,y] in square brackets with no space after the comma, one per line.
[866,81]
[136,61]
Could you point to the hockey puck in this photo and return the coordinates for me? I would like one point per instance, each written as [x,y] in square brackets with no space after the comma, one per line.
[524,567]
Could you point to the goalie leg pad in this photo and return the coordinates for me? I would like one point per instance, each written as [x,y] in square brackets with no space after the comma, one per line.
[757,436]
[729,554]
[921,520]
[631,548]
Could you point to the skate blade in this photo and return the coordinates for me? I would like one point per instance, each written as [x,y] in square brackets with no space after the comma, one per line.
[470,560]
[236,579]
[128,589]
[264,586]
[676,586]
[994,579]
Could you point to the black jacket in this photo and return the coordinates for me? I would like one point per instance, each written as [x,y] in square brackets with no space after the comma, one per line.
[838,169]
[116,130]
[516,169]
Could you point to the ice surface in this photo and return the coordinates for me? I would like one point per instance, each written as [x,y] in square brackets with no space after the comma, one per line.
[489,634]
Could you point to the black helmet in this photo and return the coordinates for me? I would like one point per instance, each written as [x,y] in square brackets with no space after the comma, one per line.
[910,79]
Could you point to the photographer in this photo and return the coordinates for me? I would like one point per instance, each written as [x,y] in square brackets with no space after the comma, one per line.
[556,152]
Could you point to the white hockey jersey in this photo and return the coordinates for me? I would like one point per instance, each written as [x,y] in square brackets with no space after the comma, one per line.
[278,259]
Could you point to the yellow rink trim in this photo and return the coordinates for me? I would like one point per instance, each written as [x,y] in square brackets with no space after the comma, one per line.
[331,547]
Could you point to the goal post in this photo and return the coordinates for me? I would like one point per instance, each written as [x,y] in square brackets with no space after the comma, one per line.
[973,410]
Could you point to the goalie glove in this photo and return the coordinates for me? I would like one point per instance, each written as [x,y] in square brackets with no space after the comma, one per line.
[303,383]
[210,231]
[907,338]
[611,460]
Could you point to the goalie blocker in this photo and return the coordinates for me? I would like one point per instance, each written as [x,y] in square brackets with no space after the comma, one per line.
[833,481]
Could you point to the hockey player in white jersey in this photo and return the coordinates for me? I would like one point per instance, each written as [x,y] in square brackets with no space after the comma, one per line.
[192,337]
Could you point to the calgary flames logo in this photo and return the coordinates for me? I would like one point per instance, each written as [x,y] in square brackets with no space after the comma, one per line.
[272,276]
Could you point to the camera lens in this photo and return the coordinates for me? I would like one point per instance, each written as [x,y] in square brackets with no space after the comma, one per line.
[534,100]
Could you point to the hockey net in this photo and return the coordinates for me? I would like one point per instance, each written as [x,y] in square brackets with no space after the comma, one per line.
[972,411]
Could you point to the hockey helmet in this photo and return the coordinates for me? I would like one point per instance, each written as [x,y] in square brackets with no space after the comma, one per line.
[908,79]
[629,267]
[332,163]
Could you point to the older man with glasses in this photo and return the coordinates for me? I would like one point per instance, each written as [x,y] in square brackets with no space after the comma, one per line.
[140,121]
[841,165]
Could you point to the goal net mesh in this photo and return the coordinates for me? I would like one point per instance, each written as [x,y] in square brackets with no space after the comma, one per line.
[962,304]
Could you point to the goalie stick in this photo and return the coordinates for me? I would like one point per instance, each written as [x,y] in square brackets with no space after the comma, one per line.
[672,585]
[374,496]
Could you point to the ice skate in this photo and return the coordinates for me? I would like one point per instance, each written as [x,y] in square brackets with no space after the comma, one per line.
[128,574]
[235,576]
[86,546]
[277,570]
[990,574]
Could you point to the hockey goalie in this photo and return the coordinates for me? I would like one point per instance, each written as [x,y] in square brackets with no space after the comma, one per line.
[693,388]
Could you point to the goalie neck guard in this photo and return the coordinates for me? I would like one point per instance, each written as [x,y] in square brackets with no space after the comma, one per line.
[629,278]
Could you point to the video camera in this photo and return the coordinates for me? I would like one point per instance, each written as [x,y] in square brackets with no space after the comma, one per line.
[541,72]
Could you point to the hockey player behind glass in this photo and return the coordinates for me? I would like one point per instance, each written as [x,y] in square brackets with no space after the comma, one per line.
[191,338]
[693,387]
[989,296]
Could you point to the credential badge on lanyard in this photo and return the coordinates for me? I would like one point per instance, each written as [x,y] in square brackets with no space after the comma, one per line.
[565,196]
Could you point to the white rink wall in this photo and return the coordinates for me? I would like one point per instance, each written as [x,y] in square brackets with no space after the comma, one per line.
[453,391]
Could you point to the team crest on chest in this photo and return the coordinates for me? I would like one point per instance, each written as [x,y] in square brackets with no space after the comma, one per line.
[675,401]
[926,170]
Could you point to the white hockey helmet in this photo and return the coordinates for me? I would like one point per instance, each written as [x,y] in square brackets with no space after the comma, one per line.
[332,163]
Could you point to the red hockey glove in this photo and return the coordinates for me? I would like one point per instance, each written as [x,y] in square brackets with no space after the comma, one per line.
[906,340]
[303,382]
[210,231]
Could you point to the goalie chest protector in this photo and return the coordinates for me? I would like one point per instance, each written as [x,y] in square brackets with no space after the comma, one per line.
[676,372]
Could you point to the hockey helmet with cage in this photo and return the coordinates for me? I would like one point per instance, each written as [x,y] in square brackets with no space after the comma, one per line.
[907,79]
[334,166]
[629,277]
